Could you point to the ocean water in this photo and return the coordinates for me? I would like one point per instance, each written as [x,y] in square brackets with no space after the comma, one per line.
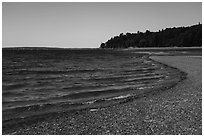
[40,81]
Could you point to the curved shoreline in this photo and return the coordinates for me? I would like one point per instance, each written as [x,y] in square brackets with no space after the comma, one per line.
[140,117]
[168,77]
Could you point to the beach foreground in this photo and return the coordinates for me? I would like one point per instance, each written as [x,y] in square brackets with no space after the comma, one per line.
[174,111]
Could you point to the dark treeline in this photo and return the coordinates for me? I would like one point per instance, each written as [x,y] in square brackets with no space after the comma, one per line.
[169,37]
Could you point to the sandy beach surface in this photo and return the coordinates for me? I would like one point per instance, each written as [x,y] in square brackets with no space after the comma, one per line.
[174,111]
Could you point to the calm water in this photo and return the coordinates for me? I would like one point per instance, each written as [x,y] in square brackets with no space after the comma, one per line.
[40,81]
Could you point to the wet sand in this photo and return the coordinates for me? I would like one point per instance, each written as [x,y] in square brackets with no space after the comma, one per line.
[174,111]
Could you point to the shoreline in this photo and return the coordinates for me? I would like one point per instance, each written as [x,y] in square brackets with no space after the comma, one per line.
[108,118]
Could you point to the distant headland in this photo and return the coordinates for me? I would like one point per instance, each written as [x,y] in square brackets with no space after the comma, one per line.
[190,36]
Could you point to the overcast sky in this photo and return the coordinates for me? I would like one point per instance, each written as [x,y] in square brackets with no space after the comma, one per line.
[86,25]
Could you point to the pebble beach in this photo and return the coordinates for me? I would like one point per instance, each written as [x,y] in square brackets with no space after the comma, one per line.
[174,111]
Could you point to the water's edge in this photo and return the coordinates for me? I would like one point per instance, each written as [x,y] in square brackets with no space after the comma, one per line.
[8,125]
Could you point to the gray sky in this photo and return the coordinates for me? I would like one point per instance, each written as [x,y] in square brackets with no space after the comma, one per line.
[86,25]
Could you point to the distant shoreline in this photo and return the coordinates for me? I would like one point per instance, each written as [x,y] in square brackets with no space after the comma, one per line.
[167,48]
[131,49]
[44,48]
